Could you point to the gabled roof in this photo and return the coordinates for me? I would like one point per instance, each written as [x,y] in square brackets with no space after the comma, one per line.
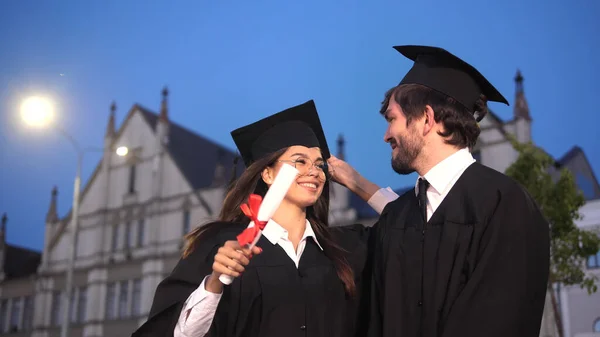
[196,156]
[571,155]
[20,262]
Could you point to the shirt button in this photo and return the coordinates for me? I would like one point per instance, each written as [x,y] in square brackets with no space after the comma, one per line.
[303,327]
[420,303]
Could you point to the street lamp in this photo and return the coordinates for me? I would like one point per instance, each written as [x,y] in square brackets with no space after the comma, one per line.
[38,112]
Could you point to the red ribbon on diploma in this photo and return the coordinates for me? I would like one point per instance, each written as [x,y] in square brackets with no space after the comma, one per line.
[251,211]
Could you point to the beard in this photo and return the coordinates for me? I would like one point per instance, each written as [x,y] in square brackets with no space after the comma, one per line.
[408,149]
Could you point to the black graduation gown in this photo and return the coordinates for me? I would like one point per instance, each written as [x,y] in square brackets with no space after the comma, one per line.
[272,297]
[479,267]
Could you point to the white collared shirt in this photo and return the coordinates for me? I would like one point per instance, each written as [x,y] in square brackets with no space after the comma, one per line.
[200,307]
[441,178]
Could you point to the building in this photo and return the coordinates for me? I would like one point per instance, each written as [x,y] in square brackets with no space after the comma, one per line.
[581,311]
[18,268]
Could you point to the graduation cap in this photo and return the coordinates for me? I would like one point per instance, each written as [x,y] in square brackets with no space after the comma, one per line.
[298,125]
[438,69]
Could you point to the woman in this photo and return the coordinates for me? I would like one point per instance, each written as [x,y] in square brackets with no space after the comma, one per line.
[302,279]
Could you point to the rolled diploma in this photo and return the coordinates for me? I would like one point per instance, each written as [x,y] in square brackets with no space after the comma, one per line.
[284,179]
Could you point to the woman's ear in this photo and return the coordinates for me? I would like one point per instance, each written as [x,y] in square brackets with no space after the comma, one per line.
[267,176]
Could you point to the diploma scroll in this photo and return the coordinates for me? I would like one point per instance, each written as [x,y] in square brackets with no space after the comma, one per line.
[284,179]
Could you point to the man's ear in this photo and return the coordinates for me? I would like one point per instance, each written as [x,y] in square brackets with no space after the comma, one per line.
[429,120]
[267,176]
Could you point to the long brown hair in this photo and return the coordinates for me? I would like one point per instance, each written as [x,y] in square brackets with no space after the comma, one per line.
[250,181]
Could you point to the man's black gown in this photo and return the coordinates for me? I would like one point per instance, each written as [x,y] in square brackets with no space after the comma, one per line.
[478,267]
[272,297]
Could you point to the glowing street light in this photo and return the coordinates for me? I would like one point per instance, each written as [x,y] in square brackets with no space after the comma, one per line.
[122,151]
[37,111]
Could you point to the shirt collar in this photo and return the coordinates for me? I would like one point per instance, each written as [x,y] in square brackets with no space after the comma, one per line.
[442,174]
[274,232]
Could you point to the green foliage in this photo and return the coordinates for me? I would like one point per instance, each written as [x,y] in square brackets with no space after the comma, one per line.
[559,200]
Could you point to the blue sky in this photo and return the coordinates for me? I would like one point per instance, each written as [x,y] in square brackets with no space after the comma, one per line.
[228,63]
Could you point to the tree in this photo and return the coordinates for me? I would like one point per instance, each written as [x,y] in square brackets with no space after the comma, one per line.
[559,200]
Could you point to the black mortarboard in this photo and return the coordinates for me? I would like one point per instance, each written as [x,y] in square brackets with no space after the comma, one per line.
[298,125]
[439,70]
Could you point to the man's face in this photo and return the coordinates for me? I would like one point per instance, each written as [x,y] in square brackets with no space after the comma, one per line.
[406,142]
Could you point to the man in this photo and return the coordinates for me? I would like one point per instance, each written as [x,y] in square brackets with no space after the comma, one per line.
[466,253]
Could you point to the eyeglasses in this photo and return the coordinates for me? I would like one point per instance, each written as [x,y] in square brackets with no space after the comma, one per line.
[304,165]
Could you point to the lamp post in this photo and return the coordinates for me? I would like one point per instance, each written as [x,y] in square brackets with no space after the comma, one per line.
[38,112]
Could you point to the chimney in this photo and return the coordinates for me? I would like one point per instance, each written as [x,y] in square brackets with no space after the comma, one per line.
[52,215]
[110,128]
[164,109]
[162,127]
[219,178]
[341,142]
[521,109]
[3,245]
[3,230]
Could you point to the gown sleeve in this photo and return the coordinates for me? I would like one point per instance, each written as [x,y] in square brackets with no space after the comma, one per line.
[506,292]
[373,272]
[357,241]
[174,290]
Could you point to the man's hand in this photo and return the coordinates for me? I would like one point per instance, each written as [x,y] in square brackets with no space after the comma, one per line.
[342,173]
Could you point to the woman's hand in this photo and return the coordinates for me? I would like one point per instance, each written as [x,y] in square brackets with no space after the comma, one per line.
[230,259]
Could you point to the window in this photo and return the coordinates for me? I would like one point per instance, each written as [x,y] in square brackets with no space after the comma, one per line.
[81,304]
[128,236]
[27,313]
[15,314]
[115,237]
[111,293]
[140,233]
[186,222]
[131,188]
[593,261]
[136,298]
[72,307]
[477,155]
[56,313]
[597,325]
[123,297]
[3,314]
